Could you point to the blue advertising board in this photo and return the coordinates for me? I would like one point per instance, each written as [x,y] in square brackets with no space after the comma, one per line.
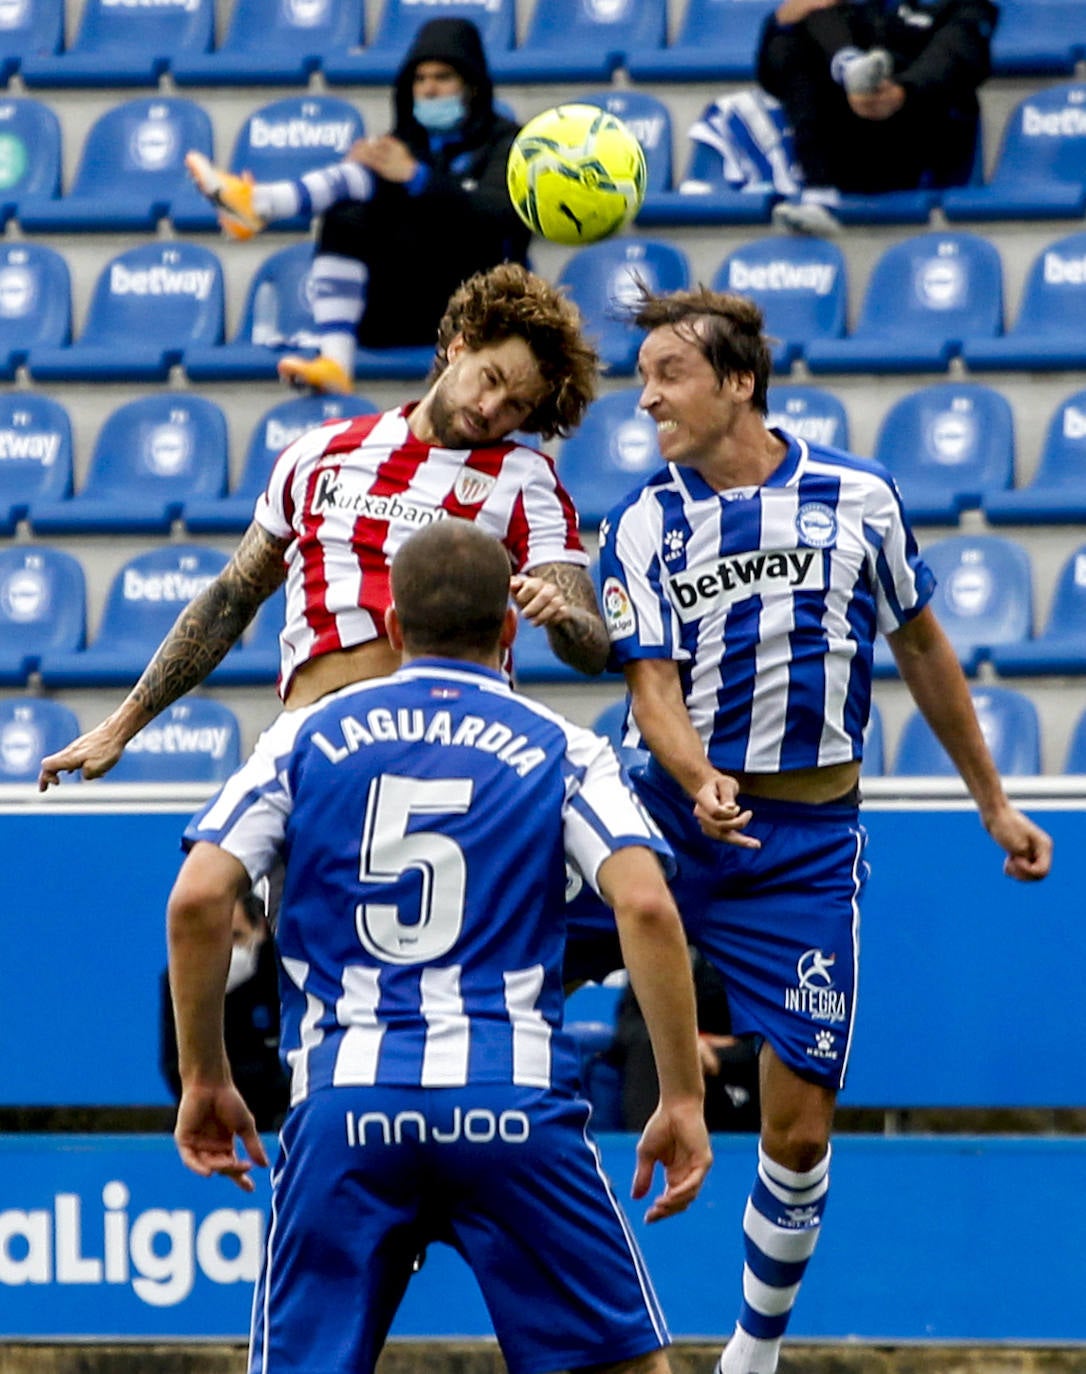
[968,980]
[110,1237]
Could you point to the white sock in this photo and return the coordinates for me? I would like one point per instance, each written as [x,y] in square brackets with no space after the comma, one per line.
[313,193]
[746,1354]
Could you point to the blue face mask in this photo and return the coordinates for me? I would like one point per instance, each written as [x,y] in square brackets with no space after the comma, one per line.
[441,113]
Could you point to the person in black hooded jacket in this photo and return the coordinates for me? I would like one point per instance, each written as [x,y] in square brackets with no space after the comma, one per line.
[406,218]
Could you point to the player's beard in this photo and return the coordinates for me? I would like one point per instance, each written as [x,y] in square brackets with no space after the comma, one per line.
[443,421]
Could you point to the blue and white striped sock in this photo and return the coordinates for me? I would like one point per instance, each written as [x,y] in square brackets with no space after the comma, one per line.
[780,1230]
[313,193]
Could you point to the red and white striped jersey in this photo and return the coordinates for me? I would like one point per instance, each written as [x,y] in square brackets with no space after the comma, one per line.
[348,493]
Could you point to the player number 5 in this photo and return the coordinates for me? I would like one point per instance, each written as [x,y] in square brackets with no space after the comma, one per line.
[388,852]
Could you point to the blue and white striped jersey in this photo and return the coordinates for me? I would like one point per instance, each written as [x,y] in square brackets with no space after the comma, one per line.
[769,598]
[425,820]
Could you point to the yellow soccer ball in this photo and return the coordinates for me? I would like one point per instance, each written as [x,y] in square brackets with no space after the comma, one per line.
[576,174]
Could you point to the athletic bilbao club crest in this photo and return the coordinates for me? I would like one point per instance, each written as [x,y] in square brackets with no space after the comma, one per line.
[472,488]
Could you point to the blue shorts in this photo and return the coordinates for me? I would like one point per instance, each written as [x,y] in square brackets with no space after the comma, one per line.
[781,923]
[515,1186]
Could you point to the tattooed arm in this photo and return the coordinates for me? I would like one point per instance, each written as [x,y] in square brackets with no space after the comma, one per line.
[203,632]
[560,597]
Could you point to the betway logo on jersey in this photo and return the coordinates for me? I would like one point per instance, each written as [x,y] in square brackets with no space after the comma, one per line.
[161,281]
[738,576]
[1067,123]
[340,491]
[1060,271]
[781,276]
[333,134]
[17,445]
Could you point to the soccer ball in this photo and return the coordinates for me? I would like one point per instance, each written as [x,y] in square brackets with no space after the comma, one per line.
[576,174]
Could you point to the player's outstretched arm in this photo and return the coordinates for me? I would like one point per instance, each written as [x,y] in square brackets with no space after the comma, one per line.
[212,1113]
[209,625]
[561,598]
[654,951]
[931,671]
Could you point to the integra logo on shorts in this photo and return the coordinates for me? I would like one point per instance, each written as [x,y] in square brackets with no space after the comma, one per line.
[712,586]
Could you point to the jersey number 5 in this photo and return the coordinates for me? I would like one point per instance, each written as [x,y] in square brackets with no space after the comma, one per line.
[388,852]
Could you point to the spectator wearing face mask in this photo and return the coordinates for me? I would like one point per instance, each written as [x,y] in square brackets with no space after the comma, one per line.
[407,217]
[251,1019]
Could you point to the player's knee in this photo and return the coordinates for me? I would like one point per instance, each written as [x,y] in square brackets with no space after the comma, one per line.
[655,1362]
[798,1146]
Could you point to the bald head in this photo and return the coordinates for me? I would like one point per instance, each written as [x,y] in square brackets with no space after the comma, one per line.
[450,588]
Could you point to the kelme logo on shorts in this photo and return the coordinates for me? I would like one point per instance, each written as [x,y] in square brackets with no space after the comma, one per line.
[712,586]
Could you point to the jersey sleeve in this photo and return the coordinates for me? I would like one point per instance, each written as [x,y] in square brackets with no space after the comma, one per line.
[640,620]
[543,525]
[275,506]
[248,816]
[903,582]
[603,813]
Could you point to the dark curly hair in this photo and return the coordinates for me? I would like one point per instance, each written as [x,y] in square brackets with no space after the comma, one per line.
[509,302]
[728,330]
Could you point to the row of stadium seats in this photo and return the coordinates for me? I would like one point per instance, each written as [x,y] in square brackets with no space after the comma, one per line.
[131,172]
[198,739]
[931,299]
[984,601]
[164,458]
[284,42]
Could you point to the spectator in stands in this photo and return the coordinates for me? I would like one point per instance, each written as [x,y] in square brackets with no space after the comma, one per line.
[250,1021]
[872,96]
[729,1064]
[406,218]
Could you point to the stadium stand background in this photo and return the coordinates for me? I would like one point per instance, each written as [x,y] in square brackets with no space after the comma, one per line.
[867,396]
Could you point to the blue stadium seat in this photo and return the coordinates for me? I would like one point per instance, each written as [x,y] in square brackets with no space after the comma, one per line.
[1061,647]
[1038,38]
[149,305]
[35,454]
[983,597]
[31,728]
[35,303]
[276,429]
[1011,729]
[124,45]
[255,661]
[568,40]
[947,446]
[809,413]
[1040,172]
[1057,493]
[150,456]
[717,41]
[379,63]
[34,28]
[275,43]
[144,599]
[1076,750]
[603,281]
[925,296]
[30,154]
[194,740]
[874,760]
[43,608]
[1048,333]
[279,142]
[611,723]
[613,449]
[131,167]
[800,285]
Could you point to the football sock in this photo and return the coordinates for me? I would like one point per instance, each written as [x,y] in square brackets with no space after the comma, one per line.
[313,193]
[780,1230]
[339,296]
